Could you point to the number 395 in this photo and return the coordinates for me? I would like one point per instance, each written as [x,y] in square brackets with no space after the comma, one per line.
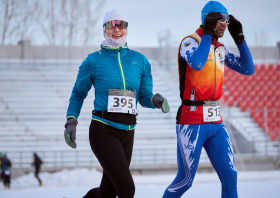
[123,102]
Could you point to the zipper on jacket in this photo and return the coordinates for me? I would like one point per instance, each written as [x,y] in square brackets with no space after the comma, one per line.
[215,69]
[119,57]
[124,86]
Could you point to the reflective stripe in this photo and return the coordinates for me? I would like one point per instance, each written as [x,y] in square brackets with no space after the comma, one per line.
[70,117]
[130,128]
[152,101]
[100,121]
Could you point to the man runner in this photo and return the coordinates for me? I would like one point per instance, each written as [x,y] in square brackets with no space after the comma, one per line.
[201,61]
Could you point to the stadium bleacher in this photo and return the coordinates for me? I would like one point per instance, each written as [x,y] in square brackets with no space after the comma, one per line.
[34,99]
[258,94]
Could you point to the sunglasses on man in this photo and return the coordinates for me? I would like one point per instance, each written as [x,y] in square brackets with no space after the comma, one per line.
[225,18]
[111,25]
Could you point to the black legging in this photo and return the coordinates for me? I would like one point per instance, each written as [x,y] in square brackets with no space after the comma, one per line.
[113,149]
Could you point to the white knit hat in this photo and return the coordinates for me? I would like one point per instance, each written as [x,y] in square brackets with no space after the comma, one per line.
[113,15]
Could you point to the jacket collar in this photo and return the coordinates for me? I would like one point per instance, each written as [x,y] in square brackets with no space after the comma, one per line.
[199,31]
[124,48]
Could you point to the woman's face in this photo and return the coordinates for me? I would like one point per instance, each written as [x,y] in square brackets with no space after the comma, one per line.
[116,33]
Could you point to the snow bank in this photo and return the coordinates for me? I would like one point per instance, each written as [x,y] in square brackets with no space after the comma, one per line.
[92,177]
[75,177]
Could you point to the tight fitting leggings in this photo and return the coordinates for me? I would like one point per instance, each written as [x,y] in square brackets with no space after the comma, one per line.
[113,149]
[215,140]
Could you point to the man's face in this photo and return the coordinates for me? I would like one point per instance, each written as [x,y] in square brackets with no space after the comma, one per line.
[220,29]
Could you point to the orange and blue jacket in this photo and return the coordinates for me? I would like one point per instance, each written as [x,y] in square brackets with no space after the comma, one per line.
[201,62]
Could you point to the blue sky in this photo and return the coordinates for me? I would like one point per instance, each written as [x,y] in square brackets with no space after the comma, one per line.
[148,18]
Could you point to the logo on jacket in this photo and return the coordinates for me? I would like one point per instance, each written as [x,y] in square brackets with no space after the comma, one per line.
[134,63]
[187,44]
[209,58]
[222,60]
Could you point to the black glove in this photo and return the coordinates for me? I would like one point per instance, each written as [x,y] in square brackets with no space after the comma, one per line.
[210,22]
[235,30]
[70,132]
[160,102]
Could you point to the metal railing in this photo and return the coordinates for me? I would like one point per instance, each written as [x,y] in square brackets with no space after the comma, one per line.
[56,160]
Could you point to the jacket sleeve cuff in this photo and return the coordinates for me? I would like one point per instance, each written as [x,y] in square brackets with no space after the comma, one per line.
[70,118]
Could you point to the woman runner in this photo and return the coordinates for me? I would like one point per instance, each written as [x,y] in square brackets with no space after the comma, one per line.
[121,78]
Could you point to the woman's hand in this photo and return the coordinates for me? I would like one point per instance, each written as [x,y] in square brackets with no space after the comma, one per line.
[161,102]
[70,132]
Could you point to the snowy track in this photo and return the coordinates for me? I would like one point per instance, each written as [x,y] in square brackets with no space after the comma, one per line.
[75,183]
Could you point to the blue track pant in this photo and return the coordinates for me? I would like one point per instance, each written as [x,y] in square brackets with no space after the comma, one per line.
[215,140]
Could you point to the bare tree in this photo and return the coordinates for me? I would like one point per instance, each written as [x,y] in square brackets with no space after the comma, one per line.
[55,22]
[23,23]
[82,21]
[62,24]
[8,13]
[74,18]
[79,20]
[47,20]
[92,17]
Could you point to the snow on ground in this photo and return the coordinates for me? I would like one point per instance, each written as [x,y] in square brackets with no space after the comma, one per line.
[75,183]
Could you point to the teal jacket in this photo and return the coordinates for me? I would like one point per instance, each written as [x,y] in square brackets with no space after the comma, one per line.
[112,68]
